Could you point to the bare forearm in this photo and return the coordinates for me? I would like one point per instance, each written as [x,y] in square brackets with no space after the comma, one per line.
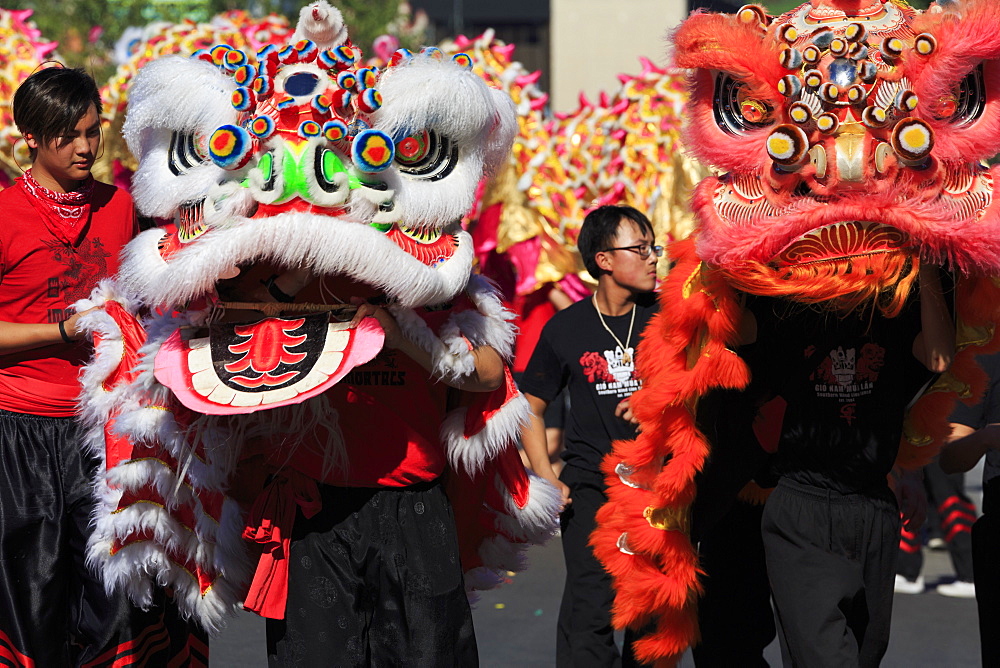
[961,454]
[488,374]
[935,346]
[16,337]
[536,447]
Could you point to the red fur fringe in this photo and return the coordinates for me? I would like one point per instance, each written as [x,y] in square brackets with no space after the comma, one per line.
[884,279]
[967,34]
[682,355]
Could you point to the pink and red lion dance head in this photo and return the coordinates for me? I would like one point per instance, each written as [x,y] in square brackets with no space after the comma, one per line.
[850,140]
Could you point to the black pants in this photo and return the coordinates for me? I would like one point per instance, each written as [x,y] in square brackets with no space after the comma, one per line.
[831,559]
[986,563]
[375,580]
[954,514]
[734,614]
[585,637]
[53,609]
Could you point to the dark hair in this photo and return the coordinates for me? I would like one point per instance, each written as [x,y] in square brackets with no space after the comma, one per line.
[599,230]
[50,102]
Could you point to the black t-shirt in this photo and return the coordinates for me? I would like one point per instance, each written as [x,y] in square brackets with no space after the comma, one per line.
[841,384]
[576,352]
[977,417]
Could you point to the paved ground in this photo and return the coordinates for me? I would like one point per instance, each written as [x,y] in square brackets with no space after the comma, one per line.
[515,625]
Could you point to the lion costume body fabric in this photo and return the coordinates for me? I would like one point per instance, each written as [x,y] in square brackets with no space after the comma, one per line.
[297,159]
[850,139]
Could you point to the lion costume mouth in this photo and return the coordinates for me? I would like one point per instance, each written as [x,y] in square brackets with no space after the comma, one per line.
[846,264]
[840,242]
[275,361]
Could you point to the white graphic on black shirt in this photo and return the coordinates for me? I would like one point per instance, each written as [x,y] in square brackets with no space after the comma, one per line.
[609,373]
[846,375]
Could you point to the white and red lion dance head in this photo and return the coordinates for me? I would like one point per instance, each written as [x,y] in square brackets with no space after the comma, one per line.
[292,159]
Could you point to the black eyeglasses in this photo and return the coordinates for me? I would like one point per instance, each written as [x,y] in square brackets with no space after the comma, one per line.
[642,250]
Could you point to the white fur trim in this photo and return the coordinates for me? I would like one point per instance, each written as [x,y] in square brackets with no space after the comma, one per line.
[326,245]
[471,454]
[539,519]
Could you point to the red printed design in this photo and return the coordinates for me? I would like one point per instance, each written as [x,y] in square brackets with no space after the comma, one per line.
[595,368]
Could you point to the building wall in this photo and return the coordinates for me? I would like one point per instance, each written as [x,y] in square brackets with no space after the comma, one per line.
[592,41]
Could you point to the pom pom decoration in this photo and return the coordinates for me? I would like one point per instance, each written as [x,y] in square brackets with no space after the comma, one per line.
[344,55]
[204,54]
[322,103]
[306,49]
[262,127]
[309,129]
[369,101]
[401,56]
[912,139]
[342,98]
[263,86]
[231,147]
[243,98]
[245,75]
[347,80]
[219,52]
[787,145]
[372,151]
[366,78]
[335,130]
[327,59]
[463,60]
[234,59]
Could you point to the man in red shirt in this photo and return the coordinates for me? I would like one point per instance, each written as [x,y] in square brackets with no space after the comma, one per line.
[62,233]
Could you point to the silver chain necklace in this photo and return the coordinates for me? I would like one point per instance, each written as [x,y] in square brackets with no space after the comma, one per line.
[626,357]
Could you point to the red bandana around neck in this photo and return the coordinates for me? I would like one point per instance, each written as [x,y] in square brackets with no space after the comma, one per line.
[71,208]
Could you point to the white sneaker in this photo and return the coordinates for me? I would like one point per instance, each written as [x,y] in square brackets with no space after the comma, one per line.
[937,543]
[904,586]
[957,589]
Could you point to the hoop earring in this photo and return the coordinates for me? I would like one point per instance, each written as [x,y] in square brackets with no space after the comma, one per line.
[100,129]
[13,154]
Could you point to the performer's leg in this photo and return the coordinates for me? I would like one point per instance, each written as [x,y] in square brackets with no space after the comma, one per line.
[585,636]
[911,555]
[815,579]
[957,513]
[106,629]
[880,526]
[421,615]
[985,556]
[34,569]
[374,579]
[734,614]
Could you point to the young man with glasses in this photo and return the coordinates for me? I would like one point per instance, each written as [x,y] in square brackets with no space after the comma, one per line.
[589,348]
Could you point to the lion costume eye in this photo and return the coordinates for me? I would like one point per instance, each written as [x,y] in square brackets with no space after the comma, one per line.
[736,112]
[328,166]
[183,153]
[426,155]
[265,180]
[967,101]
[328,181]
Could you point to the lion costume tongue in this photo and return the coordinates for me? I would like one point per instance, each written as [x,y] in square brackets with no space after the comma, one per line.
[241,368]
